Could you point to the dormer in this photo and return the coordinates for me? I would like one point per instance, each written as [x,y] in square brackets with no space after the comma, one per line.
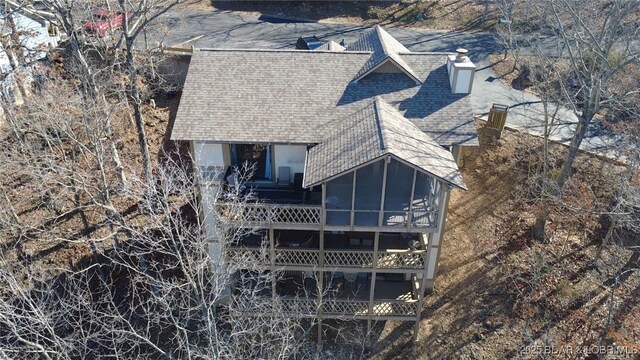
[386,54]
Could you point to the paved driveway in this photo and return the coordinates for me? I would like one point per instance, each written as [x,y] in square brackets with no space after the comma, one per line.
[229,30]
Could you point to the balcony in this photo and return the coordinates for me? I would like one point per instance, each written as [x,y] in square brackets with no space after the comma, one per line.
[393,300]
[301,250]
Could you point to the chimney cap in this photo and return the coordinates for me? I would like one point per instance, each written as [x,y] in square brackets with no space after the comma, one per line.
[462,55]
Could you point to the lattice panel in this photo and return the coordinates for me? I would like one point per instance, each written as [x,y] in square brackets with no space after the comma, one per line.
[247,256]
[299,307]
[406,260]
[239,214]
[256,213]
[296,215]
[360,259]
[347,307]
[297,257]
[270,213]
[254,305]
[394,308]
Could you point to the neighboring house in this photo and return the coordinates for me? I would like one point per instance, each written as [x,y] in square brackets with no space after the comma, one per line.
[355,157]
[26,35]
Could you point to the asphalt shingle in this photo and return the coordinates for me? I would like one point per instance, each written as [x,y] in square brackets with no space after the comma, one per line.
[373,131]
[383,48]
[296,97]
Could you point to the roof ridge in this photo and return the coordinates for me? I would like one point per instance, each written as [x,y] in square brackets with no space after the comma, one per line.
[383,111]
[391,48]
[379,30]
[295,51]
[379,122]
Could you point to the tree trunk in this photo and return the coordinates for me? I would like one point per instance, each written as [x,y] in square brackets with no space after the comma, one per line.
[134,95]
[565,172]
[539,228]
[574,147]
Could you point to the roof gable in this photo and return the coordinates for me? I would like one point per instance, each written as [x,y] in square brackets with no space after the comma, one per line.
[385,49]
[372,132]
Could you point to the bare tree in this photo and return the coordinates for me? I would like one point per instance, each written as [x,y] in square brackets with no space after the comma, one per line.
[172,306]
[595,45]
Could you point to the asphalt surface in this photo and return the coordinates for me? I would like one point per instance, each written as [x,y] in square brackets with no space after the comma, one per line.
[229,30]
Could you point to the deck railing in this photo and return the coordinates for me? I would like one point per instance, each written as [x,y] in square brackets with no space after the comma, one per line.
[345,307]
[395,308]
[401,259]
[307,307]
[361,259]
[264,214]
[296,257]
[348,258]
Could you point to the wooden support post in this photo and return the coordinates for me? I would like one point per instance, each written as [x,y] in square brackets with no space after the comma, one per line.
[353,201]
[372,285]
[423,284]
[319,340]
[413,192]
[384,188]
[320,278]
[272,263]
[435,240]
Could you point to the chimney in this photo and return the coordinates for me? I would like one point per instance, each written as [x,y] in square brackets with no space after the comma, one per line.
[461,71]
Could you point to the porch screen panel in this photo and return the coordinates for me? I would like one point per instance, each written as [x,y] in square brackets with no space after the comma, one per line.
[423,200]
[338,201]
[397,194]
[368,194]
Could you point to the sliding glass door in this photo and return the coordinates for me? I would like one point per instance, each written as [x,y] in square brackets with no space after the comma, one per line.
[256,155]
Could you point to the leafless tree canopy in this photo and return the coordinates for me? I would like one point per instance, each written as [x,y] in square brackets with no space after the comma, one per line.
[138,280]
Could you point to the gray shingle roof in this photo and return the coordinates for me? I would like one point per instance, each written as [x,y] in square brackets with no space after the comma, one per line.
[384,48]
[262,96]
[371,132]
[293,96]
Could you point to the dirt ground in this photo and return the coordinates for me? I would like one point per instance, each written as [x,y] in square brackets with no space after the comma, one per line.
[501,294]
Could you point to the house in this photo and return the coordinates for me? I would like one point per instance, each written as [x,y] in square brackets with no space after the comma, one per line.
[26,36]
[355,155]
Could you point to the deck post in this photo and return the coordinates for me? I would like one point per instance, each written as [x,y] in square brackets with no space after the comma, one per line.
[384,188]
[353,201]
[320,278]
[319,341]
[423,284]
[372,286]
[435,241]
[376,240]
[413,192]
[272,263]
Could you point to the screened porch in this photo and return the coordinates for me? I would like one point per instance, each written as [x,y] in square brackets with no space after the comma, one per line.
[407,197]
